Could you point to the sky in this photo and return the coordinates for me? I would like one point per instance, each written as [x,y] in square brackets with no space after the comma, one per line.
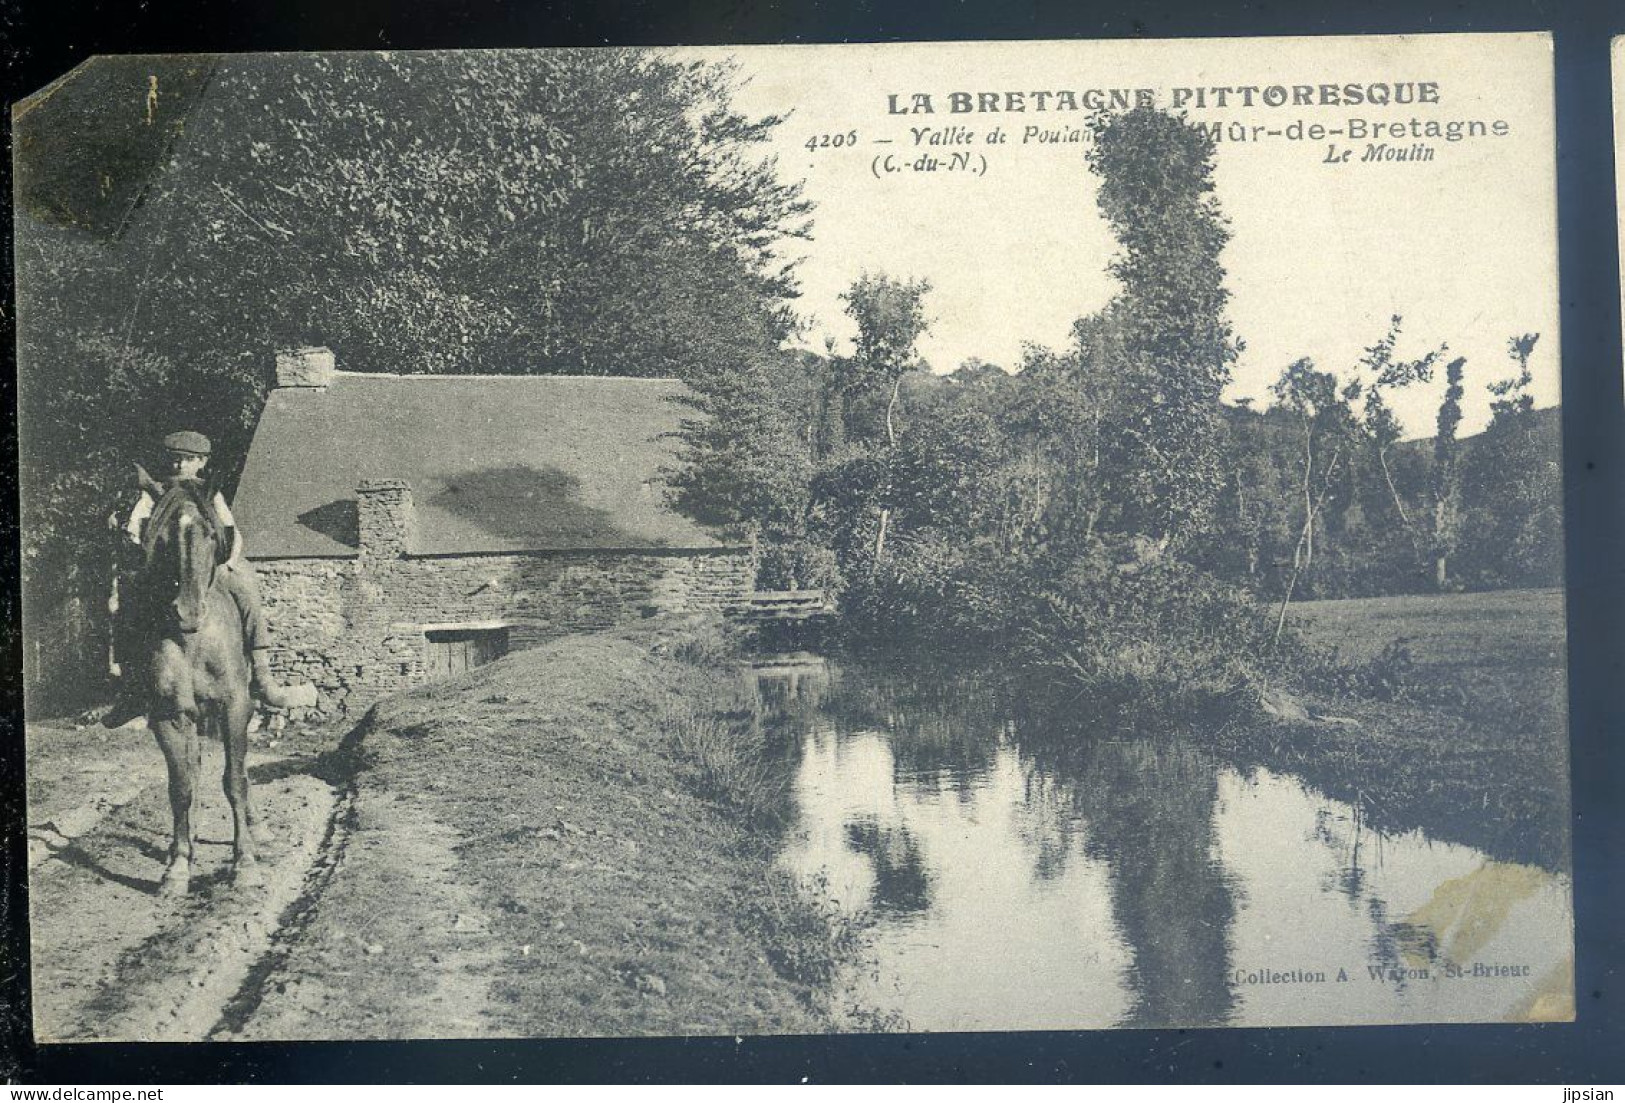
[1463,246]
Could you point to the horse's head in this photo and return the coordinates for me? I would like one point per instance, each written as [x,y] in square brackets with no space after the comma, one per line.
[184,545]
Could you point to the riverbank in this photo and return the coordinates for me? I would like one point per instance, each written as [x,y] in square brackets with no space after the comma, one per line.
[1448,714]
[1471,743]
[575,840]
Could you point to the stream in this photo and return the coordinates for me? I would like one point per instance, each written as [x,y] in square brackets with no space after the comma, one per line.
[1131,881]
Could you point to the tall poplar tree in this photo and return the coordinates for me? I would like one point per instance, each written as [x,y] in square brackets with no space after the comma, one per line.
[1156,192]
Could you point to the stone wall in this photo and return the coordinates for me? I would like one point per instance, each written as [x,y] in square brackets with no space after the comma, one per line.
[356,628]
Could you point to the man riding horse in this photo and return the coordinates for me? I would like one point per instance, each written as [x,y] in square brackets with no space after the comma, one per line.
[134,627]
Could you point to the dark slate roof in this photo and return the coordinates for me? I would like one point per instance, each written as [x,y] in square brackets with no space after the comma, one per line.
[495,463]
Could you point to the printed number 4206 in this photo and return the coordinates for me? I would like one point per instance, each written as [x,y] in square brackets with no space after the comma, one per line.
[832,141]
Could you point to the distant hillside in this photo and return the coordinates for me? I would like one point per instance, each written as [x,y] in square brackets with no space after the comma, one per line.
[1548,422]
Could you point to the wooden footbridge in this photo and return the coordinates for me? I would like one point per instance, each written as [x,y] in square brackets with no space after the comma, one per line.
[785,607]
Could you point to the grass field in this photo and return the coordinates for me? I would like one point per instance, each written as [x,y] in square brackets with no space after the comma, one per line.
[1474,746]
[1510,631]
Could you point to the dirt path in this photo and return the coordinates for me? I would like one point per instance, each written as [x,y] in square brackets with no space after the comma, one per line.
[111,959]
[76,776]
[519,852]
[343,966]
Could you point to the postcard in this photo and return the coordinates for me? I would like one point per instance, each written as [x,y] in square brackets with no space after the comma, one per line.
[788,539]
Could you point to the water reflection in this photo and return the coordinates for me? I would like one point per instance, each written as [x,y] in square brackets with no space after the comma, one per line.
[1150,811]
[791,685]
[902,881]
[1431,931]
[942,735]
[992,945]
[1141,882]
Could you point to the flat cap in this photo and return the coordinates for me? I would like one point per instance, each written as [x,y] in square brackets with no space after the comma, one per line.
[195,443]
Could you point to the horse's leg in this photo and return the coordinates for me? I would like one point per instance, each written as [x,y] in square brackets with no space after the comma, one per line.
[177,737]
[234,714]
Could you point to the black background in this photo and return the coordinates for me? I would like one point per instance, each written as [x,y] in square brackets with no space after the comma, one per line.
[42,39]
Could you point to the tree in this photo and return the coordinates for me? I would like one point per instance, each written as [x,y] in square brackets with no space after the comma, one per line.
[1322,412]
[1057,415]
[976,372]
[1512,401]
[554,228]
[1512,486]
[890,316]
[1447,474]
[1156,184]
[1387,374]
[1255,519]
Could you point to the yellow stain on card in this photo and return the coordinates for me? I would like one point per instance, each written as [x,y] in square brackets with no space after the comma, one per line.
[1465,913]
[1551,1000]
[1463,917]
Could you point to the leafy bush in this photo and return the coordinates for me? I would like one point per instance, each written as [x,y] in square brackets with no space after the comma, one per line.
[1153,634]
[1120,624]
[799,564]
[930,593]
[809,937]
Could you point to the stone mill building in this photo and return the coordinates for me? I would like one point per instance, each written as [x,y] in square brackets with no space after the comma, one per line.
[407,527]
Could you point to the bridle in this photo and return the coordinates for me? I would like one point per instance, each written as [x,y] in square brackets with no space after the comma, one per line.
[167,525]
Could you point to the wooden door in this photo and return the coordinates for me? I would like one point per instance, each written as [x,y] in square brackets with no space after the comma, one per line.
[454,650]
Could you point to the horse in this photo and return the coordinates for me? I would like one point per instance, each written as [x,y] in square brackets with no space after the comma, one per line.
[196,671]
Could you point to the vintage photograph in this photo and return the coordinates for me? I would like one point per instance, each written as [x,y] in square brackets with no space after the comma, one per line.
[794,539]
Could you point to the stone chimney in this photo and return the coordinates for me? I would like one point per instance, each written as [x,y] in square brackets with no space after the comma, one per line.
[306,367]
[386,521]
